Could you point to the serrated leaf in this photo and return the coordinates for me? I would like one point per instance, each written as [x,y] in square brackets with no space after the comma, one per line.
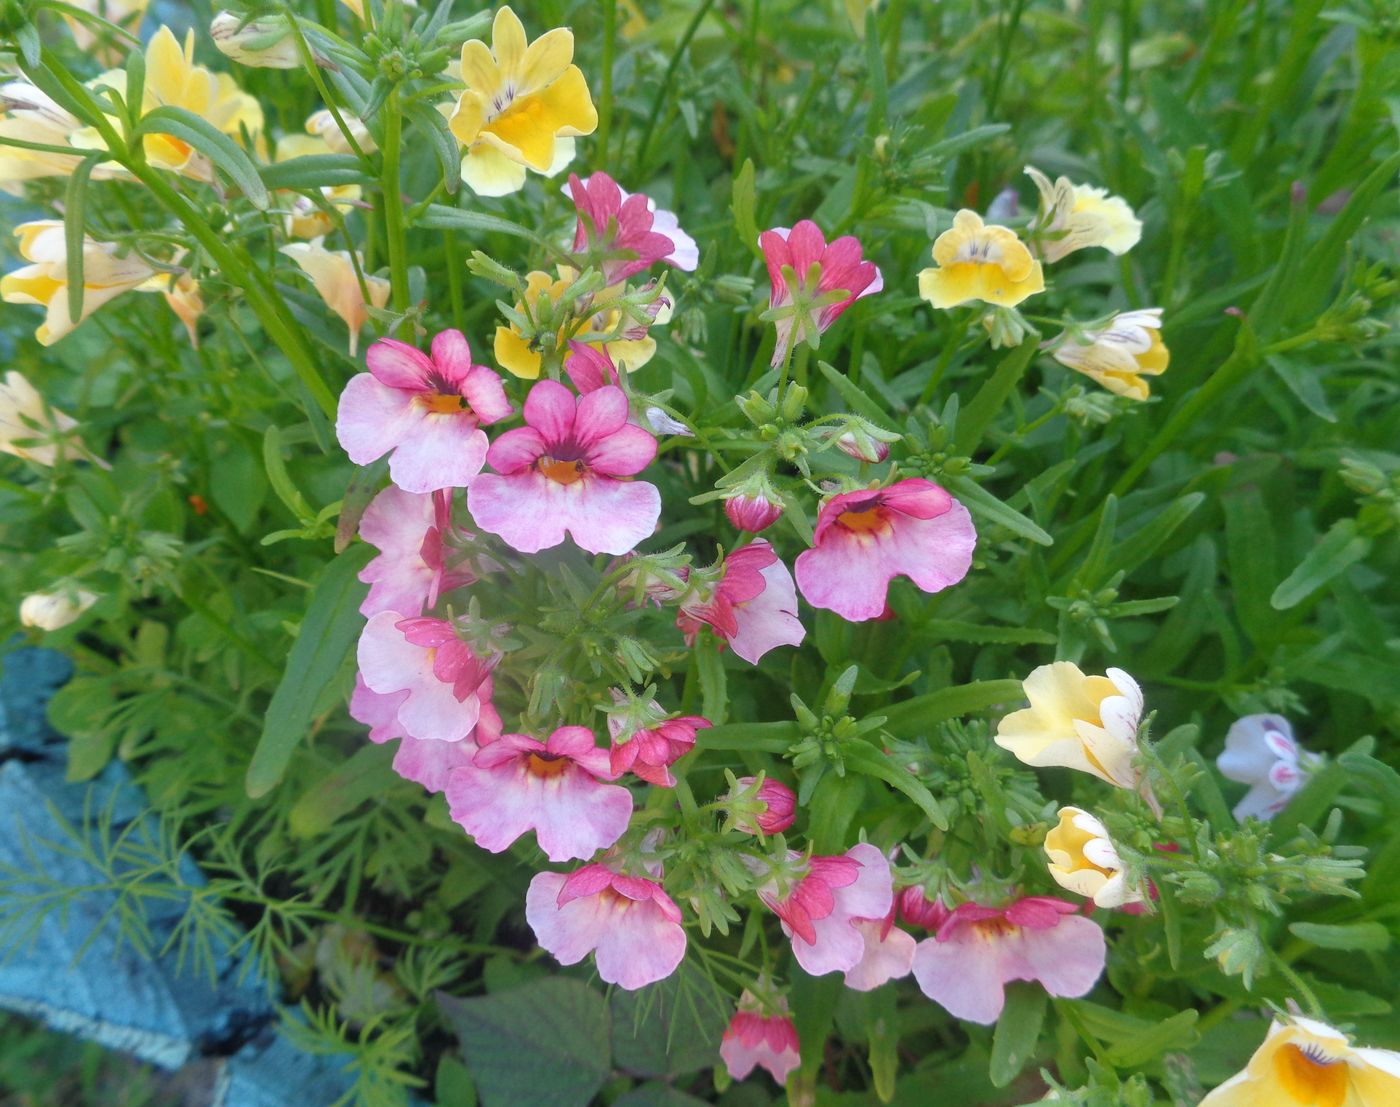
[546,1043]
[221,150]
[328,632]
[1017,1032]
[1341,548]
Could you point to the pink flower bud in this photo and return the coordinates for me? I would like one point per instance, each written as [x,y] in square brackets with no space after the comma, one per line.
[863,447]
[779,804]
[752,513]
[917,909]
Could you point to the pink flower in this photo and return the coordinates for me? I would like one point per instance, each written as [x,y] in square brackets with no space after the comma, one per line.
[409,573]
[813,281]
[439,674]
[626,233]
[560,473]
[422,761]
[917,909]
[428,411]
[752,513]
[978,950]
[753,607]
[776,804]
[589,368]
[554,788]
[821,911]
[650,751]
[629,923]
[888,954]
[865,539]
[755,1039]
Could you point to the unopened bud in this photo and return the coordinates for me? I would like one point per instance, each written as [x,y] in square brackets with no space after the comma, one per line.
[262,43]
[54,610]
[773,809]
[752,513]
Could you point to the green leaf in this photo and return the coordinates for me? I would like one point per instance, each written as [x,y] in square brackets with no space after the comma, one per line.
[743,205]
[1153,1039]
[366,774]
[990,509]
[546,1043]
[759,737]
[920,714]
[74,231]
[430,122]
[447,218]
[1371,937]
[855,398]
[833,805]
[669,1029]
[1017,1032]
[1146,540]
[954,630]
[872,762]
[977,415]
[328,632]
[1341,548]
[1305,384]
[280,479]
[226,154]
[315,171]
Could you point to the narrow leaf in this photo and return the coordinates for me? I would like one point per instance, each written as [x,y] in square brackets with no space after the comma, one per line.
[446,218]
[1017,1032]
[977,416]
[872,762]
[1371,937]
[226,154]
[1341,548]
[990,509]
[920,714]
[74,231]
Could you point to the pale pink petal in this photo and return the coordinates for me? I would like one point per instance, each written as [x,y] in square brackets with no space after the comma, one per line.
[601,412]
[378,712]
[640,947]
[549,408]
[516,449]
[487,396]
[372,418]
[1067,958]
[872,894]
[608,516]
[522,509]
[433,712]
[805,244]
[452,356]
[844,575]
[886,958]
[396,522]
[770,619]
[964,977]
[398,365]
[444,451]
[625,451]
[429,763]
[388,661]
[569,933]
[934,553]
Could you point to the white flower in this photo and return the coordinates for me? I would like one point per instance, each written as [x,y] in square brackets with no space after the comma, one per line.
[1260,751]
[1119,354]
[31,429]
[1074,217]
[52,610]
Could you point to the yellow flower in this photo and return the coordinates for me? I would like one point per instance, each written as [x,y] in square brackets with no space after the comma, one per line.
[173,79]
[30,429]
[31,116]
[1089,723]
[1120,354]
[105,276]
[333,274]
[306,219]
[322,124]
[1305,1063]
[1074,217]
[1084,860]
[517,355]
[54,610]
[523,104]
[980,262]
[183,295]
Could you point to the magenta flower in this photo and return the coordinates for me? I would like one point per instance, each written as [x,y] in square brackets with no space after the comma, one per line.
[428,411]
[978,950]
[629,923]
[813,282]
[589,368]
[626,233]
[888,953]
[755,1039]
[865,539]
[776,806]
[554,788]
[753,607]
[425,659]
[561,473]
[410,572]
[649,751]
[819,913]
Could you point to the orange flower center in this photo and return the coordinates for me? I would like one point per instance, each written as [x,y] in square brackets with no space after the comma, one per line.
[994,928]
[870,521]
[545,765]
[444,403]
[1310,1077]
[560,472]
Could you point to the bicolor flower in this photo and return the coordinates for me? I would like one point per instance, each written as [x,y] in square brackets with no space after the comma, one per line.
[813,282]
[262,43]
[29,115]
[321,124]
[423,657]
[555,788]
[1074,217]
[409,530]
[423,761]
[628,352]
[182,294]
[770,810]
[335,278]
[976,951]
[888,954]
[1118,355]
[45,282]
[305,219]
[1084,860]
[647,742]
[625,233]
[864,539]
[819,913]
[630,925]
[977,261]
[562,473]
[753,605]
[1306,1063]
[756,1039]
[31,429]
[522,106]
[425,410]
[55,610]
[1089,723]
[1260,751]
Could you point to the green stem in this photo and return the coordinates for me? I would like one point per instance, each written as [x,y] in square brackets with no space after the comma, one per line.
[949,349]
[667,82]
[1021,433]
[392,192]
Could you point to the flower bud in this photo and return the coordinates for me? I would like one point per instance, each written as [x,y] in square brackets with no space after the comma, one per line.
[752,513]
[917,909]
[262,43]
[771,811]
[53,610]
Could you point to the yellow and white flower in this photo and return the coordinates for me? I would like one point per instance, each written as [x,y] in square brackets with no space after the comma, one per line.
[1084,860]
[263,43]
[522,106]
[1089,723]
[1075,217]
[1306,1063]
[978,261]
[105,276]
[30,115]
[54,610]
[333,274]
[306,219]
[31,429]
[1120,354]
[322,125]
[182,294]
